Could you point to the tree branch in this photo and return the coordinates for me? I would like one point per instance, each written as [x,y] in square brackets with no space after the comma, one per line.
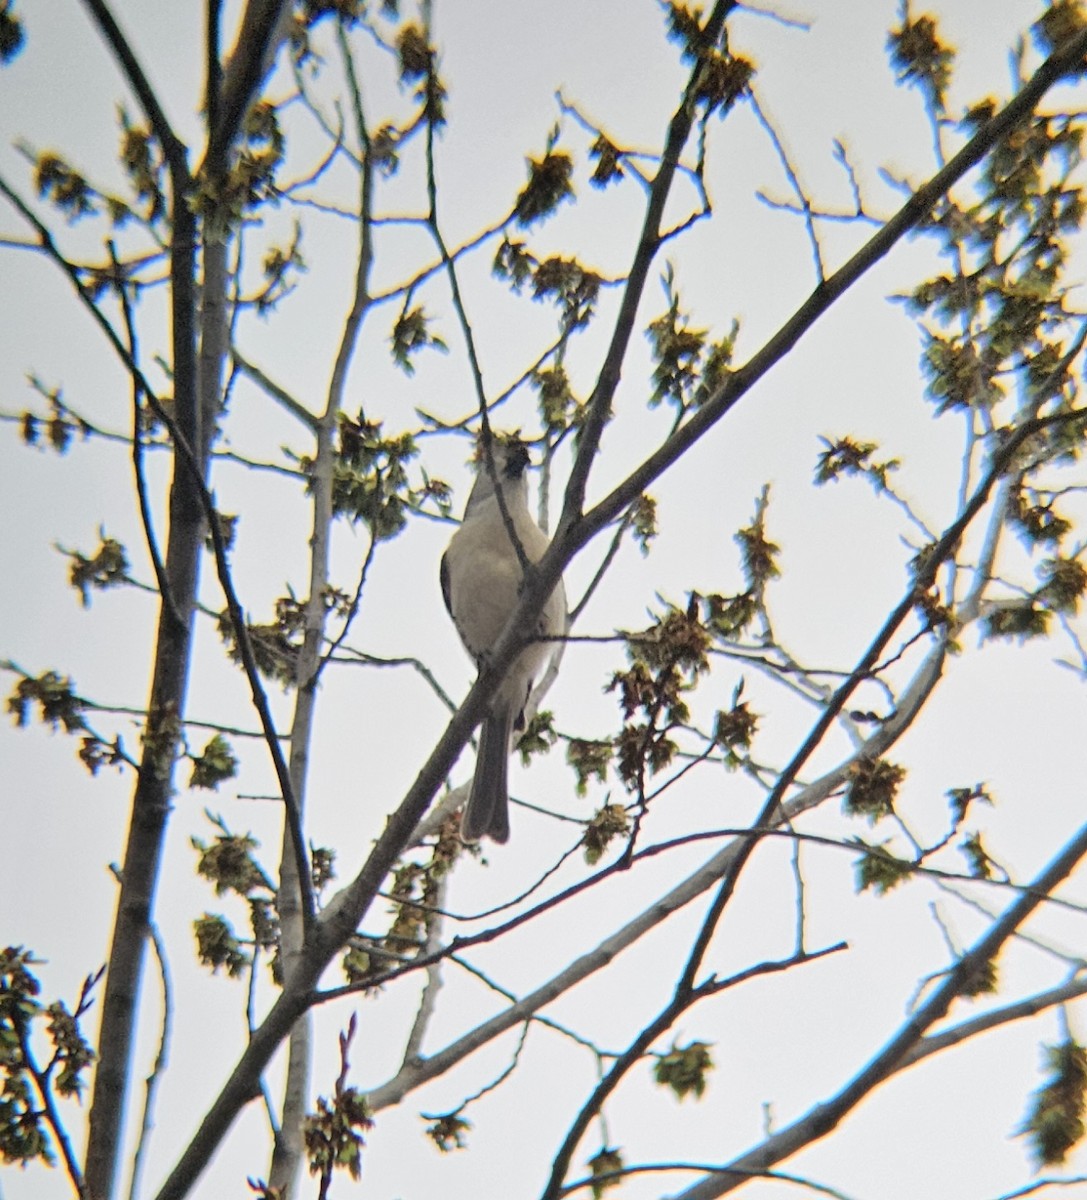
[638,1048]
[172,147]
[297,936]
[740,382]
[935,1043]
[600,402]
[346,910]
[825,1117]
[282,397]
[161,1058]
[259,34]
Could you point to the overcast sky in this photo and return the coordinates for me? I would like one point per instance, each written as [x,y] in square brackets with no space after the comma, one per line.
[1005,715]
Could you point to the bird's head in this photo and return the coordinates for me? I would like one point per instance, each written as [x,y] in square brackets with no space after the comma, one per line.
[509,459]
[509,454]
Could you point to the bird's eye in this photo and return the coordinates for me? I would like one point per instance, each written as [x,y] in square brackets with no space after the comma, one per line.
[517,459]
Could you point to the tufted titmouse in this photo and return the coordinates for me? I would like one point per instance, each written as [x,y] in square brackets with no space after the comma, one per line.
[481,581]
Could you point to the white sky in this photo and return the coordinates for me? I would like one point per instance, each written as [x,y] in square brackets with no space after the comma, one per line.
[1006,715]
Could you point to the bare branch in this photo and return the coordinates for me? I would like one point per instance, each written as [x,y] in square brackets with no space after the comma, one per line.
[934,1043]
[295,407]
[599,406]
[147,1121]
[1041,1184]
[641,1044]
[794,181]
[740,381]
[825,1117]
[173,148]
[433,984]
[137,451]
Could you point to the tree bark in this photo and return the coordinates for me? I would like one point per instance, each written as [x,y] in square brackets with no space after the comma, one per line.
[151,800]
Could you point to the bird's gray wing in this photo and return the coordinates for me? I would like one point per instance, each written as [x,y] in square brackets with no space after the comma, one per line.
[443,575]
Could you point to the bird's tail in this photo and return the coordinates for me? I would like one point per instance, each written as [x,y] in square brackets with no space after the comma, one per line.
[487,811]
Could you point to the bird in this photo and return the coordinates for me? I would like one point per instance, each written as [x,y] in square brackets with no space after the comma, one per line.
[481,578]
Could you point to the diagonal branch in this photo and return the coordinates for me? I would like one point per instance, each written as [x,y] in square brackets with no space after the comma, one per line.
[282,397]
[600,402]
[1019,1010]
[740,382]
[901,1050]
[44,1086]
[172,146]
[342,916]
[641,1044]
[729,861]
[261,29]
[934,557]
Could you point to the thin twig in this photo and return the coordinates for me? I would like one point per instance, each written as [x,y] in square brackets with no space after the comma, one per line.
[794,180]
[147,1120]
[137,449]
[896,1054]
[282,397]
[645,1039]
[429,999]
